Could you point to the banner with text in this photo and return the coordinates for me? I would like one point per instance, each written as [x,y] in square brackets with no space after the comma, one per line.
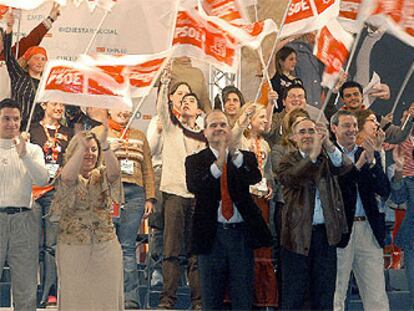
[76,84]
[332,48]
[308,15]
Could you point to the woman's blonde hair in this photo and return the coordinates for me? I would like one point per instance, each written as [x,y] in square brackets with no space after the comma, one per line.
[76,140]
[259,107]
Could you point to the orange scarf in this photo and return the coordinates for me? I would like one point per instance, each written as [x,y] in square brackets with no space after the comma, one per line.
[117,127]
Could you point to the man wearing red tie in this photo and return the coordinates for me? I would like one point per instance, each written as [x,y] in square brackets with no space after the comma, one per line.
[227,225]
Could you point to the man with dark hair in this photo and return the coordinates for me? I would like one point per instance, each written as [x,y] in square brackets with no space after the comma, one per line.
[22,165]
[313,218]
[352,95]
[227,225]
[361,249]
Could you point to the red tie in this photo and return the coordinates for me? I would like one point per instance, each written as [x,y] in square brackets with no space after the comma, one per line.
[226,202]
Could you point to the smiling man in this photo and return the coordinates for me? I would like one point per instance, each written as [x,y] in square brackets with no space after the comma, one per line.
[361,249]
[21,166]
[313,218]
[227,225]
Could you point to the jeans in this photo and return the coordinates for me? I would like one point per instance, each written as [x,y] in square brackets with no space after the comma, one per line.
[48,246]
[127,228]
[230,262]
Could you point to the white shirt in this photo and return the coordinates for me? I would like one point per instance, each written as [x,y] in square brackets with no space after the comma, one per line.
[216,172]
[336,159]
[17,175]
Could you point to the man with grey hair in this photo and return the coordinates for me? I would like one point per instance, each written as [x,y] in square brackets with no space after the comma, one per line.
[21,166]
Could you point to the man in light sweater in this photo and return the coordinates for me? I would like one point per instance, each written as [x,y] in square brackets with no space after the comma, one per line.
[180,138]
[21,166]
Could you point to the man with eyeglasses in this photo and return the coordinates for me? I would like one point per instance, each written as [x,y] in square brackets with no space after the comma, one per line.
[294,97]
[313,218]
[361,249]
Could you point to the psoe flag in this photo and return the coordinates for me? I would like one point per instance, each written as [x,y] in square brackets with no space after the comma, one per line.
[139,71]
[250,35]
[76,84]
[348,15]
[28,4]
[397,14]
[305,16]
[195,37]
[332,48]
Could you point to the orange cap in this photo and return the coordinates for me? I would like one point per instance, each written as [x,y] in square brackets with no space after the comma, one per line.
[34,50]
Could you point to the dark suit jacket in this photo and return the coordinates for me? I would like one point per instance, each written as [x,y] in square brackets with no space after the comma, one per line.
[206,189]
[369,182]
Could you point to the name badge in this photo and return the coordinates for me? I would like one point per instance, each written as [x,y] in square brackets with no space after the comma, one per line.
[52,169]
[127,167]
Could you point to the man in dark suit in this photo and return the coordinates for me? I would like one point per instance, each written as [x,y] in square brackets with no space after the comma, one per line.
[227,225]
[361,249]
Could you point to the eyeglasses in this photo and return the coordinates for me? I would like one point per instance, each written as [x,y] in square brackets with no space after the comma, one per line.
[304,131]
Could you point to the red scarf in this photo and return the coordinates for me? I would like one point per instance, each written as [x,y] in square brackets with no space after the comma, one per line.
[117,127]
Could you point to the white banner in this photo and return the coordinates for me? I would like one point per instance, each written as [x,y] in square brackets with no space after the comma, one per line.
[76,84]
[308,15]
[140,71]
[250,35]
[28,4]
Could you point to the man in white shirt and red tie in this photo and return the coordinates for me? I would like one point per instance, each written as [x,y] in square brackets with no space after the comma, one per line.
[21,165]
[227,225]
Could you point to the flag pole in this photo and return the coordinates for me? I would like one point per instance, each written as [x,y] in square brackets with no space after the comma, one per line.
[96,32]
[141,102]
[18,34]
[348,65]
[266,68]
[403,86]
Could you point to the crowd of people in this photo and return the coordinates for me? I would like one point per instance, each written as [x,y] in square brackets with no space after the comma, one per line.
[269,204]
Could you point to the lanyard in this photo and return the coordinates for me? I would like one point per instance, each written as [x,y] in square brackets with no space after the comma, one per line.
[51,142]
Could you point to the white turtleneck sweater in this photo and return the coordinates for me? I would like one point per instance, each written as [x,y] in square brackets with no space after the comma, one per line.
[17,175]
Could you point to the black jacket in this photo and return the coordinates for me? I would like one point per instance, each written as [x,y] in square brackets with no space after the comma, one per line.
[206,189]
[369,181]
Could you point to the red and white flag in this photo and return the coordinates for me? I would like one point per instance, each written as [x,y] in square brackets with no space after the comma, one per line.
[28,4]
[332,48]
[139,71]
[246,34]
[397,14]
[76,84]
[195,37]
[349,15]
[229,10]
[305,16]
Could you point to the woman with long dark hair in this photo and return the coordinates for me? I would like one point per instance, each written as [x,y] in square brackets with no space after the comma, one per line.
[285,63]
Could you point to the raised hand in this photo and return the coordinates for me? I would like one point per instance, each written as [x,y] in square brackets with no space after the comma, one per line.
[369,147]
[381,91]
[379,139]
[317,147]
[20,143]
[55,11]
[166,74]
[244,118]
[9,21]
